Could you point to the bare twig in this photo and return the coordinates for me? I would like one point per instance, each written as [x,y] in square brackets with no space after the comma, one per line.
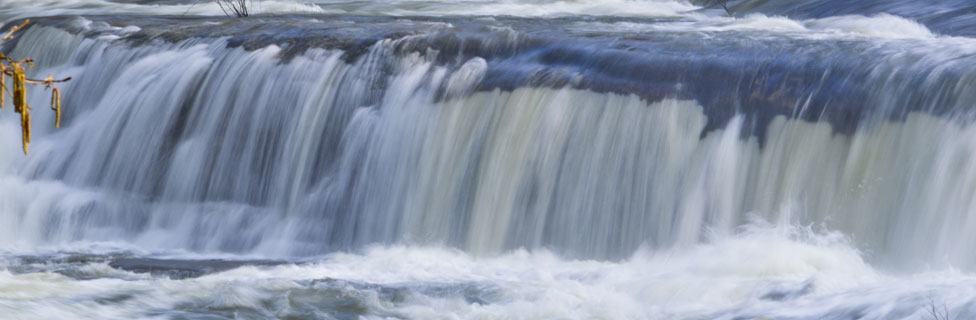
[47,82]
[937,314]
[10,34]
[191,7]
[236,7]
[16,70]
[725,6]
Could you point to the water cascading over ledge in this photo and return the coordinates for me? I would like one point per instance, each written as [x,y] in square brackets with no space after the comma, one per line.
[304,136]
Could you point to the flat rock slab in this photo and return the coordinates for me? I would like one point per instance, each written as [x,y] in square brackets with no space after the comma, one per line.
[182,269]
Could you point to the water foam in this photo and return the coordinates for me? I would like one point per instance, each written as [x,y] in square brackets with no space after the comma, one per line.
[848,27]
[779,272]
[538,8]
[19,9]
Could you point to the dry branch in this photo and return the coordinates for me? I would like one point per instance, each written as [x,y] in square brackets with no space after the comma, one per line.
[16,70]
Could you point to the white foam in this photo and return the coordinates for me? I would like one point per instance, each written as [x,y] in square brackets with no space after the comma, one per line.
[18,9]
[757,22]
[533,8]
[878,26]
[761,271]
[11,9]
[881,26]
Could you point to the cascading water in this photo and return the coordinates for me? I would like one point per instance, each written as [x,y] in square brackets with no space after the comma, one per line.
[494,159]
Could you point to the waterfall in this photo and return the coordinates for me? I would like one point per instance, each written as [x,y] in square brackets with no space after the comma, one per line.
[492,159]
[208,145]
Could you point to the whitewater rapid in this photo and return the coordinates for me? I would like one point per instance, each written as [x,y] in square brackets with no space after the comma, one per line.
[780,273]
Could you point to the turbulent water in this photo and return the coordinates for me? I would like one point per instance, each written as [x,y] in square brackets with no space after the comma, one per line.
[530,159]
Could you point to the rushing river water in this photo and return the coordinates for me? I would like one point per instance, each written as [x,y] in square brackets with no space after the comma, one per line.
[514,159]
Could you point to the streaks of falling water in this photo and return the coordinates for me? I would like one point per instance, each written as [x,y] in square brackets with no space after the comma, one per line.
[196,145]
